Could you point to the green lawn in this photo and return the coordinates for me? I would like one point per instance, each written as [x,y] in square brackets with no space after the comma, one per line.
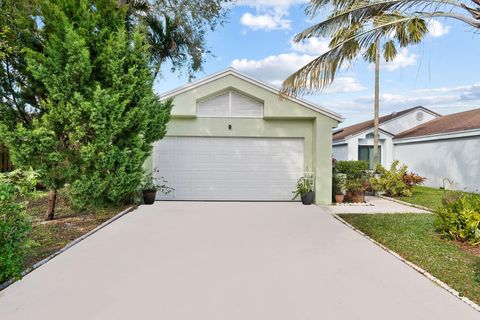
[425,196]
[414,238]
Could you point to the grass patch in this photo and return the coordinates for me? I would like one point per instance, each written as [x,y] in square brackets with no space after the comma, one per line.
[51,236]
[413,237]
[425,196]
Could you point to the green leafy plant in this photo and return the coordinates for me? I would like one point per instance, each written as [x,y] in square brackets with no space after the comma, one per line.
[152,184]
[459,218]
[396,181]
[353,169]
[15,224]
[339,183]
[304,186]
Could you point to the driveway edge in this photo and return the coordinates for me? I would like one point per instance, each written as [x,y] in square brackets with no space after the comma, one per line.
[425,273]
[68,246]
[416,206]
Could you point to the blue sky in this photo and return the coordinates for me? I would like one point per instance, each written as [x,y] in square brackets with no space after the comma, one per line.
[442,73]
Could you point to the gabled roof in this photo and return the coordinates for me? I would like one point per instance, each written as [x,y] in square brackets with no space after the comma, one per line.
[363,126]
[462,121]
[238,74]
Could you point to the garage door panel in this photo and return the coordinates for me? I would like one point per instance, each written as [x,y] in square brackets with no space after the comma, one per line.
[210,168]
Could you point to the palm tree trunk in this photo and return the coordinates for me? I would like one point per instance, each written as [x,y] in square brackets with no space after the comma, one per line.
[376,107]
[52,199]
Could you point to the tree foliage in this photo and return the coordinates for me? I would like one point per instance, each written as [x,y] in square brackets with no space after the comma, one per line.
[176,29]
[100,113]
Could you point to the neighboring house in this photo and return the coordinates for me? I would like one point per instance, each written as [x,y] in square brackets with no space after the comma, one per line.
[231,138]
[356,142]
[444,149]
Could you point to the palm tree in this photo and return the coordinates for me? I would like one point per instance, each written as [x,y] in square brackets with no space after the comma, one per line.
[357,26]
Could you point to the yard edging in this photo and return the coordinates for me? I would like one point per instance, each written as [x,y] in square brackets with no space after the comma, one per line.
[420,270]
[68,246]
[406,203]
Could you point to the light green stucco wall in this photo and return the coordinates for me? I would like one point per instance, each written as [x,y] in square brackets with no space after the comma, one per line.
[282,118]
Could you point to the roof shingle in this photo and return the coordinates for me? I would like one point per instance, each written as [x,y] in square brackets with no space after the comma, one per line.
[362,126]
[461,121]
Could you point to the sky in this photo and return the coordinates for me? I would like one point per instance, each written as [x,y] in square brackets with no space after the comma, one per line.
[442,73]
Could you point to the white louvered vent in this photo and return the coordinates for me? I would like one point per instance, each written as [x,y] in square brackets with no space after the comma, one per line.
[230,104]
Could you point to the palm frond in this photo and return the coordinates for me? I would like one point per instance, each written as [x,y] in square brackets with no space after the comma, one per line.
[320,72]
[359,11]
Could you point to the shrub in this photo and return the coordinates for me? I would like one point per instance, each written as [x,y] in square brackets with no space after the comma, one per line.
[396,181]
[15,225]
[353,169]
[459,218]
[412,179]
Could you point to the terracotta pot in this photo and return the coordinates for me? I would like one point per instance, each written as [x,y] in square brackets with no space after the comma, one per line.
[149,197]
[339,198]
[348,197]
[358,196]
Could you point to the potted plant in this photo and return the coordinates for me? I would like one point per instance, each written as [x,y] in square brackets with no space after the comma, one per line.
[151,185]
[355,190]
[339,187]
[305,191]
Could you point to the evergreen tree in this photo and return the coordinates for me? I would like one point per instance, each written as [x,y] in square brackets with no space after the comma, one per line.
[100,113]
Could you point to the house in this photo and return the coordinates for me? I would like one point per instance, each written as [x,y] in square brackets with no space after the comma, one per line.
[356,142]
[231,137]
[444,149]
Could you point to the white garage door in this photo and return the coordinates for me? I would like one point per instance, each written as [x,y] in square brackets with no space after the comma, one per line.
[207,168]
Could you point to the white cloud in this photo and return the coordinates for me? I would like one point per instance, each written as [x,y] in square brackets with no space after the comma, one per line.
[275,69]
[344,85]
[402,60]
[269,15]
[443,100]
[264,21]
[437,29]
[313,46]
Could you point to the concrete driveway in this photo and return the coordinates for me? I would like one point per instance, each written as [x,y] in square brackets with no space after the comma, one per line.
[228,261]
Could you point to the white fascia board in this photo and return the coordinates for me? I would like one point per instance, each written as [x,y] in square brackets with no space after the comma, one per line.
[238,74]
[364,132]
[439,136]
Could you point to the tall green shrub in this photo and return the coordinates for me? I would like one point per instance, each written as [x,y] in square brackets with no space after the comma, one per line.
[15,225]
[101,114]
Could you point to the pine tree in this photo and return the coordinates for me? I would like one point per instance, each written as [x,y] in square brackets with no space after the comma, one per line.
[101,114]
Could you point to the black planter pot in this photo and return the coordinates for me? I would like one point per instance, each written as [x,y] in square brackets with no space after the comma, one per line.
[308,197]
[149,196]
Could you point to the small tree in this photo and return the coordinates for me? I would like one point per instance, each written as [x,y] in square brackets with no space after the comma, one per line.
[101,115]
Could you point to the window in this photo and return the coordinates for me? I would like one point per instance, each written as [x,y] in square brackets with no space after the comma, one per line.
[230,104]
[366,153]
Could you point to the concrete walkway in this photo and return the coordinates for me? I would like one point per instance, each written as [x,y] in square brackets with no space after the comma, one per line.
[378,205]
[228,261]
